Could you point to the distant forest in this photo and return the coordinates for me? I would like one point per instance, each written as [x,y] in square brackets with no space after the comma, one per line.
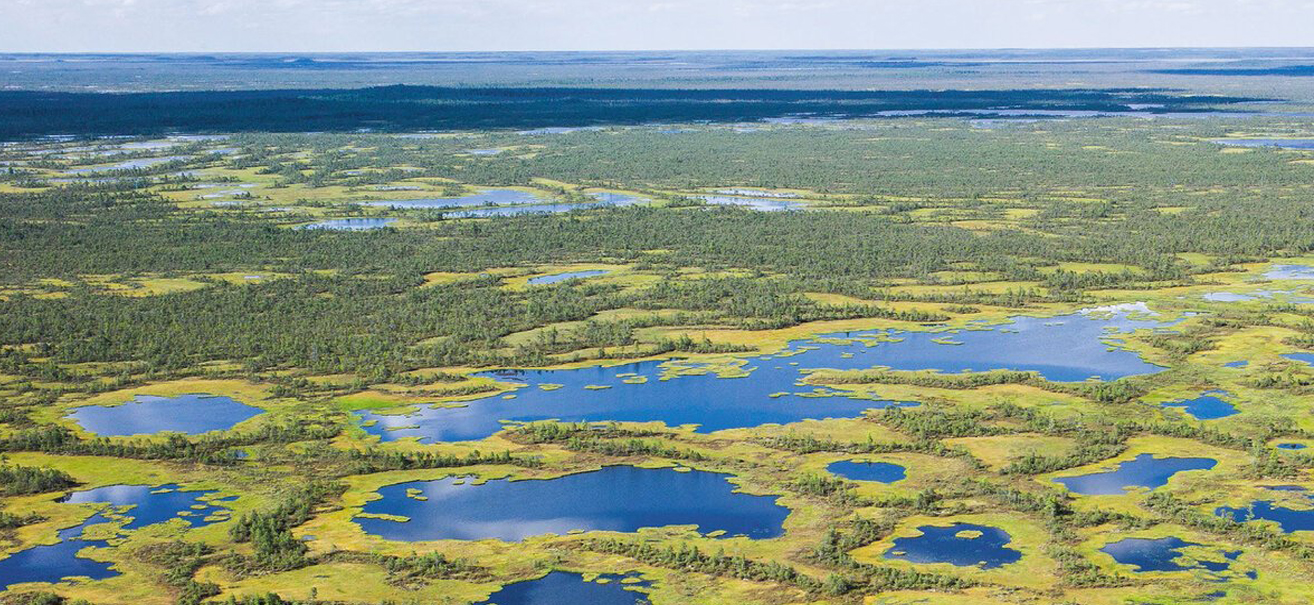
[25,114]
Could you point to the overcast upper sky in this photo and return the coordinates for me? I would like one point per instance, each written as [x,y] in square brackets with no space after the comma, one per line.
[437,25]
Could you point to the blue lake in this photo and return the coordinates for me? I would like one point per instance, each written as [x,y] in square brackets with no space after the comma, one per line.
[563,588]
[560,277]
[191,414]
[616,498]
[1065,348]
[1208,406]
[1162,554]
[351,224]
[1306,358]
[882,472]
[1144,471]
[1290,272]
[955,545]
[1236,364]
[140,505]
[1291,446]
[1290,519]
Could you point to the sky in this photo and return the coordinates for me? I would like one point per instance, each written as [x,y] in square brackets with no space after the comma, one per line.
[485,25]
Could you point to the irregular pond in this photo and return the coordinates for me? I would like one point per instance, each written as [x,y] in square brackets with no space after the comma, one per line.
[756,203]
[150,505]
[1306,358]
[758,193]
[1289,519]
[350,224]
[1278,143]
[129,165]
[1144,471]
[560,277]
[483,197]
[616,498]
[141,505]
[962,544]
[192,414]
[55,562]
[1236,364]
[1163,554]
[564,588]
[883,472]
[1291,446]
[1290,272]
[604,200]
[1066,348]
[1208,406]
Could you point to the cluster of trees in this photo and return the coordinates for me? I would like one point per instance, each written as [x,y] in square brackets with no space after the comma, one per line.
[18,480]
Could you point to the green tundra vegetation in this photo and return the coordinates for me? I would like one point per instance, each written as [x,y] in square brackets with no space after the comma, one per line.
[197,275]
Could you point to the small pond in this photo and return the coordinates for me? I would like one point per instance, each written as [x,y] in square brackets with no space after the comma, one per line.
[1290,272]
[1277,143]
[560,277]
[1208,406]
[882,472]
[616,498]
[192,414]
[962,544]
[483,197]
[1306,358]
[1144,471]
[767,204]
[351,224]
[564,588]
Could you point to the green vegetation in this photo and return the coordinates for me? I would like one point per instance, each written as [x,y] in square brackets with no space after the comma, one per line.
[143,285]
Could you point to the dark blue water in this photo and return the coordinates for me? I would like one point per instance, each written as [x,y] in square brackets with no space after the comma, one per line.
[563,588]
[1065,348]
[1236,364]
[883,472]
[1144,471]
[1162,554]
[1291,446]
[1278,143]
[484,197]
[1289,519]
[1307,358]
[54,562]
[1208,406]
[141,505]
[616,498]
[560,277]
[351,224]
[945,545]
[1290,272]
[191,414]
